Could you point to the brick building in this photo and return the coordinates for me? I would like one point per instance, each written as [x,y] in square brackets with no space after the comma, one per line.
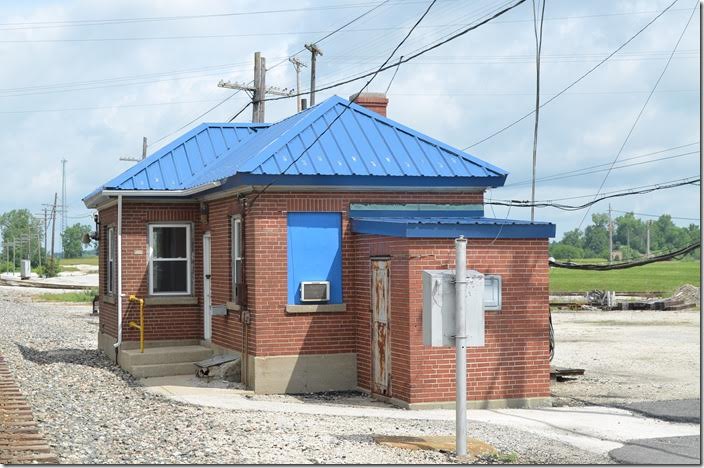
[239,246]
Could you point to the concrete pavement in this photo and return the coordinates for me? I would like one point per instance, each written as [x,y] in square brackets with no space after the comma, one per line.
[593,428]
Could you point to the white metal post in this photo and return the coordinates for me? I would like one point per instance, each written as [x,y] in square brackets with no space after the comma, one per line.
[460,347]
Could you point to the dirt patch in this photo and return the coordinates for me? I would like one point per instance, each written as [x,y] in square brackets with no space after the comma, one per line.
[627,356]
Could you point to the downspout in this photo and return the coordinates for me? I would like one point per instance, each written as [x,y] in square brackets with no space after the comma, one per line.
[119,276]
[244,314]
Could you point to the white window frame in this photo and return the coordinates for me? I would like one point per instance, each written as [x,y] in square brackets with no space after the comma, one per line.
[110,261]
[494,306]
[236,246]
[189,264]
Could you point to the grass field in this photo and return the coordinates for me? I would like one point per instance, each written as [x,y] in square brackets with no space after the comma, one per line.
[79,261]
[78,296]
[662,276]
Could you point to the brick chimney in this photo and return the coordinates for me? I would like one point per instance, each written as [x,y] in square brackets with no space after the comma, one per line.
[376,102]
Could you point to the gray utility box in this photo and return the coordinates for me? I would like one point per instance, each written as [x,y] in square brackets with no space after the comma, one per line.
[439,308]
[25,269]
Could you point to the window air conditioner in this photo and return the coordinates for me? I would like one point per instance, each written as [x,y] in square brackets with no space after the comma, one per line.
[315,291]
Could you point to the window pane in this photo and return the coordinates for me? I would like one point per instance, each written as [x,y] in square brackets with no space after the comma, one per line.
[170,276]
[170,242]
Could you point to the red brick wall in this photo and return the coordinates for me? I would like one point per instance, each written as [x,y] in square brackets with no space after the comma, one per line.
[280,333]
[162,322]
[108,312]
[513,364]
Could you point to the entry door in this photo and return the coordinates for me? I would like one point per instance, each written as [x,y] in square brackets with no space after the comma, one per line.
[207,299]
[381,351]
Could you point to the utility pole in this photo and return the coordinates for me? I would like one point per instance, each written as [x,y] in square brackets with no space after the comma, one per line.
[144,152]
[53,226]
[258,90]
[314,52]
[64,202]
[647,238]
[611,237]
[297,64]
[45,236]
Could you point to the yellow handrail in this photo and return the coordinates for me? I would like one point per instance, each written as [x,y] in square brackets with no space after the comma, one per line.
[139,327]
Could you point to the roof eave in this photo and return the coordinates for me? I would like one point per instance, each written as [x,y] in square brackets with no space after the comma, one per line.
[93,200]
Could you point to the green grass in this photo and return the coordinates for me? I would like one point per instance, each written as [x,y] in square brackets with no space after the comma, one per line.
[78,296]
[661,276]
[79,261]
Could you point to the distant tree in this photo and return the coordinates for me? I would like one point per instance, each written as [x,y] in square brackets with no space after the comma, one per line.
[562,251]
[71,240]
[596,237]
[22,231]
[630,232]
[573,238]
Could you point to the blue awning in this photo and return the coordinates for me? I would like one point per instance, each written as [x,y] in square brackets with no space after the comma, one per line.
[451,227]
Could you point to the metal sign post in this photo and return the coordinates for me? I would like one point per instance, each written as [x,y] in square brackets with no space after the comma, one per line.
[460,347]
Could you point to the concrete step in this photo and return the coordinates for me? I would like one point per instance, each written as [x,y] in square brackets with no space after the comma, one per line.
[164,355]
[161,370]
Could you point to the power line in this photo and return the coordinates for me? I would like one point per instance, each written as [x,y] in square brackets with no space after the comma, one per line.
[656,216]
[347,106]
[117,106]
[410,57]
[622,265]
[583,172]
[538,47]
[587,73]
[560,206]
[631,158]
[642,109]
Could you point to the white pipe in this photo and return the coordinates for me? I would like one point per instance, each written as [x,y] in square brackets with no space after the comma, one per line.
[460,347]
[119,275]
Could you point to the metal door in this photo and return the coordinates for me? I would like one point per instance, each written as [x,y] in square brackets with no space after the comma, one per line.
[207,298]
[381,351]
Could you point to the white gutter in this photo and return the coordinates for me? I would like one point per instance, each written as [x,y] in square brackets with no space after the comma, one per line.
[119,275]
[92,201]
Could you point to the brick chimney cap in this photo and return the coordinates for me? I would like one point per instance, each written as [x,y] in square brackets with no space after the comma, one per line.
[367,97]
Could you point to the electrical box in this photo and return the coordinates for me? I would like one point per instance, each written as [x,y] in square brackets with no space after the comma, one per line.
[439,308]
[492,292]
[25,269]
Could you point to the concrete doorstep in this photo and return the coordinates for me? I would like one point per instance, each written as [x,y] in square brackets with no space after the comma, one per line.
[593,428]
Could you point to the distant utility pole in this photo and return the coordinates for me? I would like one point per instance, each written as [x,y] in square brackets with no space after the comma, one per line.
[297,64]
[611,237]
[144,152]
[314,52]
[53,226]
[258,90]
[64,202]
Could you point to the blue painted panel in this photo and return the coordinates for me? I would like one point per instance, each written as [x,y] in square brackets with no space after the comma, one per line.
[471,228]
[314,253]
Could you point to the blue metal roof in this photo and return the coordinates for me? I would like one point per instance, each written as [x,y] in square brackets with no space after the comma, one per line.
[361,148]
[451,227]
[360,143]
[177,164]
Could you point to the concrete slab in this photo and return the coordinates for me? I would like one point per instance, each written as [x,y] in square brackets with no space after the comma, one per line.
[668,410]
[475,447]
[592,428]
[661,451]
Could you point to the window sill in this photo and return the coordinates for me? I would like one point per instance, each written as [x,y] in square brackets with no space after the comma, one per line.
[314,308]
[108,298]
[232,306]
[171,300]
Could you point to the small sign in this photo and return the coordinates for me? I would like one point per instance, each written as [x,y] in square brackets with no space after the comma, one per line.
[219,309]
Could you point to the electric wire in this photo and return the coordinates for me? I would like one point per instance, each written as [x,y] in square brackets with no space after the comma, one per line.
[642,109]
[581,77]
[346,107]
[538,47]
[630,264]
[406,59]
[635,213]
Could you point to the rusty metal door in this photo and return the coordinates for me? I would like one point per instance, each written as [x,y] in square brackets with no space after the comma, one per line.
[381,350]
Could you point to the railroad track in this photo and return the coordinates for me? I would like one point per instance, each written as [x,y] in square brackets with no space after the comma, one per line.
[20,439]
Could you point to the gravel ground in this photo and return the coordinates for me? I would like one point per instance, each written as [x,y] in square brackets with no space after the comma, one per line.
[92,412]
[627,356]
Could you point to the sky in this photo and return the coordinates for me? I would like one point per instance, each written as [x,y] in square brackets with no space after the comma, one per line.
[85,81]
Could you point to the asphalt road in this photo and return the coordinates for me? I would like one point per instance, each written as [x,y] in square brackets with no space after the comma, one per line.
[665,450]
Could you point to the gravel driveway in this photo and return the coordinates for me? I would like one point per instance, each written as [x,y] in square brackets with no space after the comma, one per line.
[92,412]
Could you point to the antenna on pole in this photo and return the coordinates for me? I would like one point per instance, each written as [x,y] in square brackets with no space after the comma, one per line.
[144,152]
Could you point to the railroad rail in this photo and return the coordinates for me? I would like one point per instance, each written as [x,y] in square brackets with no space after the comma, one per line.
[20,439]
